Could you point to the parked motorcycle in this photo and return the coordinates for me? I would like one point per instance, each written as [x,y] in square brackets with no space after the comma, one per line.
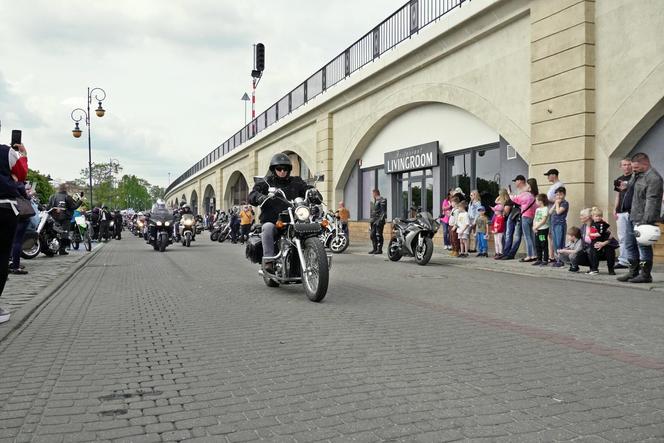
[301,257]
[187,232]
[46,238]
[413,238]
[81,232]
[160,226]
[333,236]
[225,232]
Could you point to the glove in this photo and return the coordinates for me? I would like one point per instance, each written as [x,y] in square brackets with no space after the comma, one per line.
[261,199]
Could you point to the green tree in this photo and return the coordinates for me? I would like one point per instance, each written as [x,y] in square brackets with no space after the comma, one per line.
[40,182]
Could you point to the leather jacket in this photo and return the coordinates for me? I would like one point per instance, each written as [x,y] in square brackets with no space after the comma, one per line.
[647,198]
[378,210]
[293,187]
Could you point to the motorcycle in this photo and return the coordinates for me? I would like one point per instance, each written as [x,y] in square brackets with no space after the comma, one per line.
[187,233]
[81,233]
[333,237]
[413,238]
[224,232]
[301,257]
[161,228]
[46,238]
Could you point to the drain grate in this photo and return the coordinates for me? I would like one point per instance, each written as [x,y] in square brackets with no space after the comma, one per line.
[118,395]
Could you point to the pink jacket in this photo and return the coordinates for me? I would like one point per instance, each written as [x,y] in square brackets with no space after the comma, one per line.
[526,199]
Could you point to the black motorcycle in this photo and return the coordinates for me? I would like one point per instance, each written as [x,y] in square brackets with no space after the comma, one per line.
[300,255]
[160,231]
[413,238]
[333,236]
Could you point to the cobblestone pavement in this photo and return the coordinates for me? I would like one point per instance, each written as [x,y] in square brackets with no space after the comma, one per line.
[42,271]
[190,345]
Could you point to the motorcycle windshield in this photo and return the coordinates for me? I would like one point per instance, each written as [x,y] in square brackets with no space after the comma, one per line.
[162,216]
[426,220]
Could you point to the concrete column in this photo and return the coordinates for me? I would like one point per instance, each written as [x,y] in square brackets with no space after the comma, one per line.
[563,96]
[324,157]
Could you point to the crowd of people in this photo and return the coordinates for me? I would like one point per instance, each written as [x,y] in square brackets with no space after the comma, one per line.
[542,221]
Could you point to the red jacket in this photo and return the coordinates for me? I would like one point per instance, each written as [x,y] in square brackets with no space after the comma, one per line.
[498,224]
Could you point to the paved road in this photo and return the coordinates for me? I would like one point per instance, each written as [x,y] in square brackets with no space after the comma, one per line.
[190,344]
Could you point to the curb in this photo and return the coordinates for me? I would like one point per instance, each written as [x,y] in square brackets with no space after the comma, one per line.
[25,312]
[450,261]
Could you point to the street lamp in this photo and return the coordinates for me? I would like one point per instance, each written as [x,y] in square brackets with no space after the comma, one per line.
[78,114]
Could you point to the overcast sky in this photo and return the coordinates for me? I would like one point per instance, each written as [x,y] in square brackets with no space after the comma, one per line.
[174,72]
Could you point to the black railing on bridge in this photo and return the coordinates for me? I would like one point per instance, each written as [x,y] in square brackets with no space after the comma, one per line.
[400,26]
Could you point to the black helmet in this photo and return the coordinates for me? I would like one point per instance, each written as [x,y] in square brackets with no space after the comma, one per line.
[280,159]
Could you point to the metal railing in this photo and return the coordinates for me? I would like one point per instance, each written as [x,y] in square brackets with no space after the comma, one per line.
[400,26]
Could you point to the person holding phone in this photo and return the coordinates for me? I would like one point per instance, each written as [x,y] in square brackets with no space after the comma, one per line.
[13,172]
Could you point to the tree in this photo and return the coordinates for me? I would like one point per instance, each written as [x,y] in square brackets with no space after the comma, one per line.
[157,192]
[40,182]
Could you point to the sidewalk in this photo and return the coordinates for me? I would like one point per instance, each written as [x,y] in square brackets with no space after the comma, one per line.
[23,294]
[442,257]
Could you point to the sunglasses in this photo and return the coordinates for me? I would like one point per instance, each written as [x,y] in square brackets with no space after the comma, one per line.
[281,168]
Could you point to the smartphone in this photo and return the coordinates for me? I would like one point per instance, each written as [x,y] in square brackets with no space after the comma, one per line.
[509,187]
[16,138]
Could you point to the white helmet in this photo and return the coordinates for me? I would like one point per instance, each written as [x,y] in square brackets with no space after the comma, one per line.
[647,235]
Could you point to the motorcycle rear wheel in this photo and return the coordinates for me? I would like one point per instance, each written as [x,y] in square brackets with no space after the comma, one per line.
[393,252]
[316,280]
[423,257]
[33,252]
[214,236]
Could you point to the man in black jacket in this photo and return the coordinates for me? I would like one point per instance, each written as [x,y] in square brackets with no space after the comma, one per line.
[378,214]
[278,177]
[63,215]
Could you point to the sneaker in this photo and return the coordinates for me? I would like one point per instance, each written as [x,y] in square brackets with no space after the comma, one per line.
[621,266]
[18,271]
[573,269]
[591,272]
[4,315]
[537,263]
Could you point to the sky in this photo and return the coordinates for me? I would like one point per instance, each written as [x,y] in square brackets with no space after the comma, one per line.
[174,72]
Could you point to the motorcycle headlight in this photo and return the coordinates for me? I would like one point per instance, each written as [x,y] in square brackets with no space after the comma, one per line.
[187,222]
[167,223]
[302,213]
[158,223]
[111,224]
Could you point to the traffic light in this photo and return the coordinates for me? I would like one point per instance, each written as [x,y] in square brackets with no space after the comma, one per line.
[260,57]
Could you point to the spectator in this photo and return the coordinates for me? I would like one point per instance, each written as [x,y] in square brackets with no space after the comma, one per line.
[462,228]
[621,211]
[513,217]
[343,214]
[558,213]
[473,207]
[445,211]
[574,245]
[541,230]
[584,232]
[481,232]
[645,194]
[13,172]
[597,243]
[17,246]
[246,220]
[552,177]
[498,230]
[235,223]
[454,236]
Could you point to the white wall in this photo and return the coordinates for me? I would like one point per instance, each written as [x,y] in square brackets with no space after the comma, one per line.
[452,127]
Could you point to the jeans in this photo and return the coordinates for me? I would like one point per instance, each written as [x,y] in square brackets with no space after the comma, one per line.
[622,224]
[558,237]
[481,242]
[446,234]
[512,237]
[268,235]
[634,250]
[8,221]
[17,246]
[529,235]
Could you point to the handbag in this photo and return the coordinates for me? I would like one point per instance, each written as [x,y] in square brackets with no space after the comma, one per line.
[25,209]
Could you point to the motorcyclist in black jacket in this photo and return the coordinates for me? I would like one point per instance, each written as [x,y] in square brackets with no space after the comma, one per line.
[63,215]
[278,177]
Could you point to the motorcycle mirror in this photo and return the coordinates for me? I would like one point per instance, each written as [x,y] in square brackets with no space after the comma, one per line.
[319,177]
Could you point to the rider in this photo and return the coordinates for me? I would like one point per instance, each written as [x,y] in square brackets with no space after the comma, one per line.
[293,186]
[62,216]
[159,210]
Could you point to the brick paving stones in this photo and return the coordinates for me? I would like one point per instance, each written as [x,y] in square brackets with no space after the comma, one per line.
[191,345]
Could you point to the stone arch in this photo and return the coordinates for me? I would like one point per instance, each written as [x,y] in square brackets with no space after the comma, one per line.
[183,199]
[237,189]
[416,95]
[194,202]
[209,200]
[176,202]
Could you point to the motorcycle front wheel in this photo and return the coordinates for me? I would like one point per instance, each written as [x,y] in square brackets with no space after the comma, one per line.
[393,250]
[31,251]
[163,241]
[339,244]
[214,236]
[317,277]
[423,254]
[187,239]
[87,241]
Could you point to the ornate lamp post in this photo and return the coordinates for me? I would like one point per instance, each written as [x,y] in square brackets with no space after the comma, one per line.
[78,114]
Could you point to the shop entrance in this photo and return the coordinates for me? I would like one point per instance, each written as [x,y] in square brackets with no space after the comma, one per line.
[415,191]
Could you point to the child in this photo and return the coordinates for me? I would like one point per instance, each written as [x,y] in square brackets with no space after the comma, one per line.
[498,230]
[462,228]
[481,232]
[573,246]
[454,237]
[541,229]
[601,245]
[558,214]
[473,213]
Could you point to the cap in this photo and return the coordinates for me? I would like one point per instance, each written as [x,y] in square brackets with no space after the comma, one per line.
[519,177]
[497,208]
[481,209]
[551,171]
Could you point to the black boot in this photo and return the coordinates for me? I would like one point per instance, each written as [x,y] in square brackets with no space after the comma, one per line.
[632,272]
[374,248]
[379,249]
[644,276]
